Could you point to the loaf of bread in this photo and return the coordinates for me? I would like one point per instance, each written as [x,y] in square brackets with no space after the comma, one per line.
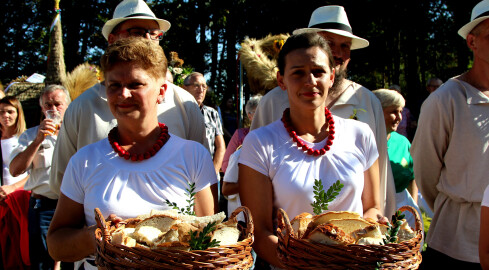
[339,228]
[300,224]
[198,221]
[370,241]
[357,227]
[405,232]
[329,234]
[226,235]
[151,229]
[326,217]
[123,236]
[166,230]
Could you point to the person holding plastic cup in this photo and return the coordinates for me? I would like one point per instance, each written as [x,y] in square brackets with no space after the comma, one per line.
[34,154]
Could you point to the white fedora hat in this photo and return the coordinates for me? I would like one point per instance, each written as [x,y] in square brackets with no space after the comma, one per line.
[129,10]
[479,13]
[333,19]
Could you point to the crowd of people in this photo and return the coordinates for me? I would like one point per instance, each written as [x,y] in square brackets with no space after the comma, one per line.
[134,141]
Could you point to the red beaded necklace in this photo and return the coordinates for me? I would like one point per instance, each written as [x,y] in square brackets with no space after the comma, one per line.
[288,126]
[162,139]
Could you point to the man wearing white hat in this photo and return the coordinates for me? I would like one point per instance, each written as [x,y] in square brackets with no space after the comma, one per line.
[88,118]
[450,154]
[346,99]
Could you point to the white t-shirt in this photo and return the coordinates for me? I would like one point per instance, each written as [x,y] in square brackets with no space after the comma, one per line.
[88,119]
[8,145]
[98,178]
[485,199]
[270,151]
[369,111]
[231,176]
[40,167]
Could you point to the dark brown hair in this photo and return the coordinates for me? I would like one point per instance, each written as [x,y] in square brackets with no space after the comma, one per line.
[304,41]
[144,52]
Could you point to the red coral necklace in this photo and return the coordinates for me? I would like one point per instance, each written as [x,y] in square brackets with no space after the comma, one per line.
[162,139]
[288,126]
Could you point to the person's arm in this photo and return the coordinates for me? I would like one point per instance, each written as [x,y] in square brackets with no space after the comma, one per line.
[413,190]
[484,238]
[229,188]
[230,149]
[69,239]
[219,152]
[429,147]
[206,201]
[23,160]
[387,191]
[370,194]
[256,193]
[7,189]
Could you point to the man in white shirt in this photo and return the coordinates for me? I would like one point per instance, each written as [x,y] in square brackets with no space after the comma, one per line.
[450,155]
[346,98]
[88,118]
[34,153]
[196,85]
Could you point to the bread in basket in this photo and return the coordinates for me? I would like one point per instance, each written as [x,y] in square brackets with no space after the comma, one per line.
[115,250]
[323,245]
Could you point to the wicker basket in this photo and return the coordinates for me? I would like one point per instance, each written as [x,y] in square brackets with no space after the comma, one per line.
[301,254]
[113,256]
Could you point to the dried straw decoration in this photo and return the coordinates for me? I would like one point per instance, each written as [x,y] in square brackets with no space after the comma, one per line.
[259,58]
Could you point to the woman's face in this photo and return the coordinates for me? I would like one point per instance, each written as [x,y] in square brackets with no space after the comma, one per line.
[132,93]
[251,114]
[392,117]
[307,77]
[8,115]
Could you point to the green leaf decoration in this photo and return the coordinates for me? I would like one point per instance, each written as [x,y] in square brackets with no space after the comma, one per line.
[202,240]
[189,210]
[393,230]
[355,112]
[322,199]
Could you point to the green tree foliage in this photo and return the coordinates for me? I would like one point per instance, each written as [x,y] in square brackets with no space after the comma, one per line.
[410,41]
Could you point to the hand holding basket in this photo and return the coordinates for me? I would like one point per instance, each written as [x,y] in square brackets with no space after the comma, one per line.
[114,256]
[298,253]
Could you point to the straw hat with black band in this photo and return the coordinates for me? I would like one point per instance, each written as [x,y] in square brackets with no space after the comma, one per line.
[333,19]
[479,13]
[131,10]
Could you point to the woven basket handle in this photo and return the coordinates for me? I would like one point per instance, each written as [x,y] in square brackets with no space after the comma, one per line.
[250,227]
[415,213]
[284,222]
[101,224]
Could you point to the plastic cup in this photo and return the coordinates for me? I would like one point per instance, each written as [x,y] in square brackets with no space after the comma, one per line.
[56,117]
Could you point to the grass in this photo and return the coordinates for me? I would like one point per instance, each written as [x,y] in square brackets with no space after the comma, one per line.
[426,226]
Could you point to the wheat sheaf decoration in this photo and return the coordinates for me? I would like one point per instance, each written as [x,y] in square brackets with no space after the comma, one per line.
[81,78]
[259,58]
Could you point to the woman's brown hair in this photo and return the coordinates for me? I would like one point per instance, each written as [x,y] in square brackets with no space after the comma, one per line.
[20,121]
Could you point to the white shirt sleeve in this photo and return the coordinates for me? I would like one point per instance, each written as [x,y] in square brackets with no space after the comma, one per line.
[253,154]
[231,175]
[485,199]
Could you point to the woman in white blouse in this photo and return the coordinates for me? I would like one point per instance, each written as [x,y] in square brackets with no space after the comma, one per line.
[139,166]
[279,162]
[12,125]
